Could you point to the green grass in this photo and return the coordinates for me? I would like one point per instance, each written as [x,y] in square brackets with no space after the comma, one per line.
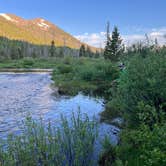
[90,76]
[41,63]
[71,144]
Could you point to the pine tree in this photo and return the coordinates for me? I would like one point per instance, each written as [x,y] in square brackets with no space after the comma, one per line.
[107,47]
[61,52]
[52,49]
[88,52]
[156,42]
[97,54]
[82,51]
[114,47]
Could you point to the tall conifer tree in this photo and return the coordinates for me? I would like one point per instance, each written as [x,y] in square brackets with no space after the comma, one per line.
[107,47]
[114,47]
[82,51]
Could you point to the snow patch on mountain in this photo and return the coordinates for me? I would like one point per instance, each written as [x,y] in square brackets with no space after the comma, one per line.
[7,17]
[43,24]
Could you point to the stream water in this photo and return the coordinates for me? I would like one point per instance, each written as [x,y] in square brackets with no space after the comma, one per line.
[22,94]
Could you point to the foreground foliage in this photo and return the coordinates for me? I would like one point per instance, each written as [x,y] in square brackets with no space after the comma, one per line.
[140,99]
[144,80]
[143,147]
[71,144]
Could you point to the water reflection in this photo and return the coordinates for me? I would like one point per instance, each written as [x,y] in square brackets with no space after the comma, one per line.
[30,93]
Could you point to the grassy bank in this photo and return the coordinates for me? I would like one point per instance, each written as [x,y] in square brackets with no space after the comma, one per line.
[40,63]
[90,76]
[72,75]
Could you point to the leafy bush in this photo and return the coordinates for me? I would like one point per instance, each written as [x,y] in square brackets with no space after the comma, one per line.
[70,144]
[143,146]
[62,69]
[68,60]
[98,72]
[140,98]
[143,80]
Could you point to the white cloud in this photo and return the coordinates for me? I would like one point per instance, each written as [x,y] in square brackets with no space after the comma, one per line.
[130,39]
[94,39]
[98,39]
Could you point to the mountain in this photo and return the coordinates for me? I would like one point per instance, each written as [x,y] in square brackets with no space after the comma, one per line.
[36,31]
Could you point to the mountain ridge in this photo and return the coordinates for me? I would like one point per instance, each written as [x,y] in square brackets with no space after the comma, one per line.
[37,31]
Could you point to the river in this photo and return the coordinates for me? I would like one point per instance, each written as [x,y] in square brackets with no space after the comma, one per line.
[23,94]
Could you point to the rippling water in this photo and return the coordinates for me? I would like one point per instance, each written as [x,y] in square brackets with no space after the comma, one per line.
[30,93]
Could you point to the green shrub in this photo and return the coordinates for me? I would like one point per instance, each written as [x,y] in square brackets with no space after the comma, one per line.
[86,73]
[68,60]
[62,69]
[100,71]
[143,146]
[143,80]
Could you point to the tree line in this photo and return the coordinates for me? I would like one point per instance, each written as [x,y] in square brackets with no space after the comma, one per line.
[15,49]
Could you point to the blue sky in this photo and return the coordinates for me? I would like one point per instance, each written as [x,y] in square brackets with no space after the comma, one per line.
[87,18]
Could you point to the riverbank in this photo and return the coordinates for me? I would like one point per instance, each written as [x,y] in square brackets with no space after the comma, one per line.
[90,76]
[30,63]
[25,70]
